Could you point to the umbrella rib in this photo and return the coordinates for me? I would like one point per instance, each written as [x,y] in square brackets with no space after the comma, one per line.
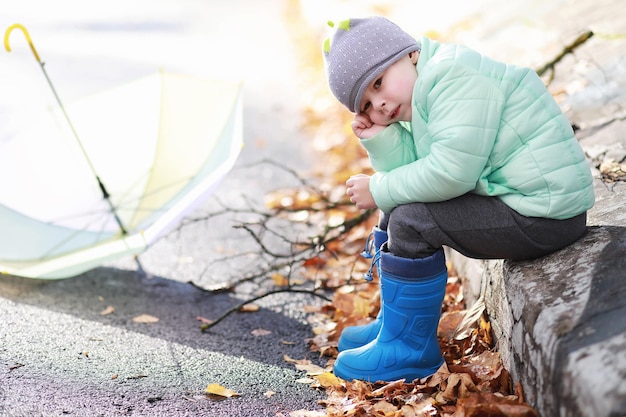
[105,193]
[61,243]
[124,203]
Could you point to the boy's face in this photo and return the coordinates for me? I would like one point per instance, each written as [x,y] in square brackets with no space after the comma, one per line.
[388,98]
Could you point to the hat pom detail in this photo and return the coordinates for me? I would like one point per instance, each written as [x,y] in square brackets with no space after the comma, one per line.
[326,46]
[344,24]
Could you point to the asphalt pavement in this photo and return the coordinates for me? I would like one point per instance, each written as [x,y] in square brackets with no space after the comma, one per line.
[61,356]
[71,347]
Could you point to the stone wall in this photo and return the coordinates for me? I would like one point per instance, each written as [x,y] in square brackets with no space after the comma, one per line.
[560,321]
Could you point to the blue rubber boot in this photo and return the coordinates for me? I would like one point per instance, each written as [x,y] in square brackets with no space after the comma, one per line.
[357,336]
[412,292]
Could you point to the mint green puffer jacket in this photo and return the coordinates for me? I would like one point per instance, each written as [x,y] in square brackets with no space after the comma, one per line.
[484,127]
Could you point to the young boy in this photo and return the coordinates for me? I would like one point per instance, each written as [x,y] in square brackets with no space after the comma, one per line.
[468,152]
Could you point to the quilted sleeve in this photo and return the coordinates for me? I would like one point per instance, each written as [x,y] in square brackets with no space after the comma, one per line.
[391,148]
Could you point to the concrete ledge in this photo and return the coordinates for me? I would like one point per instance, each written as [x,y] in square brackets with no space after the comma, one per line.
[560,321]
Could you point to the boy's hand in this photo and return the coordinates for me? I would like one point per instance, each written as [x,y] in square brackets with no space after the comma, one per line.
[359,191]
[364,128]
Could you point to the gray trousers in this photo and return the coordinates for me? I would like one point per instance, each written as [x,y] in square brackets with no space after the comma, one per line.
[478,227]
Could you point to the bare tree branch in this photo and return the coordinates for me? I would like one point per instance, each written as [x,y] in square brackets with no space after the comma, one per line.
[284,242]
[584,37]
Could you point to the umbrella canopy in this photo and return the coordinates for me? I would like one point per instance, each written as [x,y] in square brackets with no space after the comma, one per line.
[159,145]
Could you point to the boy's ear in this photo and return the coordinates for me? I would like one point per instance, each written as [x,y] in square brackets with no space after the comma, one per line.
[413,57]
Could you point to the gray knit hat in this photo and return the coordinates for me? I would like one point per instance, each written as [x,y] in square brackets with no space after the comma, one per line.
[360,50]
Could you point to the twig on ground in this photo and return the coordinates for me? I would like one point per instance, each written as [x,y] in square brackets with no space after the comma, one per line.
[277,235]
[206,326]
[584,37]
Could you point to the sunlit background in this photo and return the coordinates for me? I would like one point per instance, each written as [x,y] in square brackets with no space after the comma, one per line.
[273,46]
[89,46]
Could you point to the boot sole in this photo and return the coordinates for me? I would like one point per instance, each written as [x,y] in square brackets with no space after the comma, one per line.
[408,374]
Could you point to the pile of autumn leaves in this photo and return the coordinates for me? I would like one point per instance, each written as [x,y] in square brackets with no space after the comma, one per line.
[472,382]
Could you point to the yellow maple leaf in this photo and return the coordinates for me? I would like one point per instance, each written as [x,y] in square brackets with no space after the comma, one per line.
[328,379]
[216,389]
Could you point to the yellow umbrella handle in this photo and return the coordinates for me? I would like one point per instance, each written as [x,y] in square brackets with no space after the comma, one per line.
[28,39]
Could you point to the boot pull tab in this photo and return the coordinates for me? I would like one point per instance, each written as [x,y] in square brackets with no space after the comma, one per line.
[369,245]
[368,276]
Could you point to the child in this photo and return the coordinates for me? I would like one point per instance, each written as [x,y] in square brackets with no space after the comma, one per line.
[470,153]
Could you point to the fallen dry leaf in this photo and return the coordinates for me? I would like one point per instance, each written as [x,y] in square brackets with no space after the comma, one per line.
[305,380]
[216,389]
[459,386]
[280,280]
[386,408]
[145,318]
[289,359]
[107,311]
[204,320]
[306,413]
[612,171]
[260,332]
[249,308]
[311,369]
[328,379]
[387,388]
[423,408]
[488,404]
[15,366]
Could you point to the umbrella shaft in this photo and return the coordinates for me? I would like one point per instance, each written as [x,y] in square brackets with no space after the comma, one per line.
[107,197]
[105,193]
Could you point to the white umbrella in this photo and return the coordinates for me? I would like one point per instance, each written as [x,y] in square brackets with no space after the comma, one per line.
[122,172]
